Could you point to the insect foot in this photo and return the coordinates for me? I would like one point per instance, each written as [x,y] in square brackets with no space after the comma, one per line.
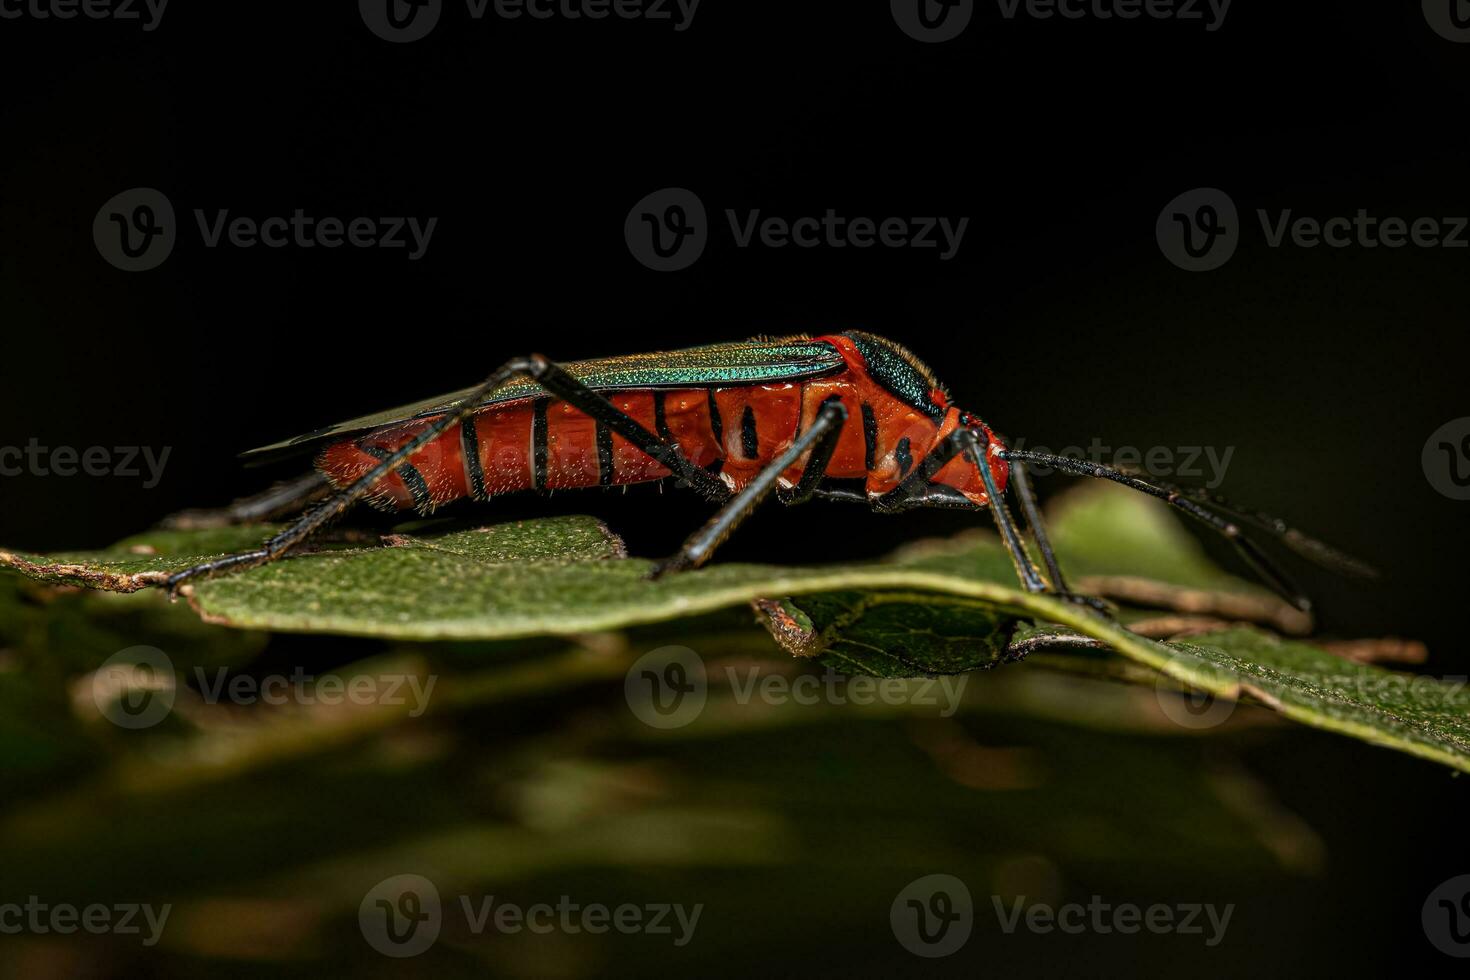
[1101,606]
[243,560]
[669,566]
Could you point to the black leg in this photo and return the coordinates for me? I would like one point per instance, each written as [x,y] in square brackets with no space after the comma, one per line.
[916,490]
[975,450]
[283,498]
[822,450]
[1021,481]
[555,380]
[935,495]
[820,438]
[1254,556]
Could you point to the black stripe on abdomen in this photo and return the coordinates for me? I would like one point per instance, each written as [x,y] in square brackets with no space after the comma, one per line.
[904,455]
[716,424]
[604,455]
[749,439]
[661,418]
[407,472]
[469,446]
[870,437]
[538,443]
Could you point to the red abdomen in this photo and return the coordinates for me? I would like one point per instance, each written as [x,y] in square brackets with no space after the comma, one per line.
[531,444]
[545,444]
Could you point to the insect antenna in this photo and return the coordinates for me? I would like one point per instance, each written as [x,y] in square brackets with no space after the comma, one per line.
[1318,552]
[1221,517]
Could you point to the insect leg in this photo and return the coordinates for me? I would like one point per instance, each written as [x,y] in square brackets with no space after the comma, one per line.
[283,498]
[1254,556]
[914,492]
[1021,481]
[548,375]
[816,463]
[820,438]
[975,450]
[590,403]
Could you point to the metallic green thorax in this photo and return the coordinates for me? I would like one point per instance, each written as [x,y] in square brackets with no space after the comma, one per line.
[747,362]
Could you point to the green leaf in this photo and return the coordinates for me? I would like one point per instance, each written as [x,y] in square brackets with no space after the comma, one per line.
[937,608]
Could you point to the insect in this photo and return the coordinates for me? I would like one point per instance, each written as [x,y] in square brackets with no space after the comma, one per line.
[848,417]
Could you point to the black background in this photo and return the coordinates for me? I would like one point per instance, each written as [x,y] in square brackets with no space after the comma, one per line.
[1059,320]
